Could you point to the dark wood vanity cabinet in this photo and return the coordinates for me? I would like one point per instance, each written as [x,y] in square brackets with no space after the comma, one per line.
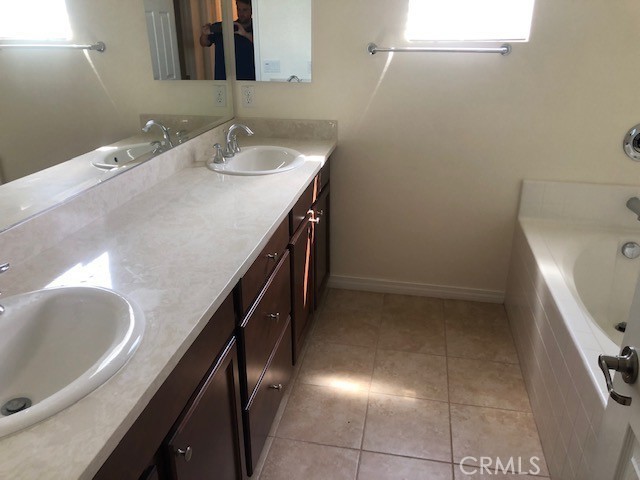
[302,302]
[321,257]
[198,406]
[204,441]
[309,247]
[212,416]
[264,334]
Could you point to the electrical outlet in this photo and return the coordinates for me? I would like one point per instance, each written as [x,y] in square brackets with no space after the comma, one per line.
[248,96]
[220,95]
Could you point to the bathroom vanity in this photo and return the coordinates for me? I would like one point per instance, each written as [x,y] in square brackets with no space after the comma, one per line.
[228,271]
[214,412]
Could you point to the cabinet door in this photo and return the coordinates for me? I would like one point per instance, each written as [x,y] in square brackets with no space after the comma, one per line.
[151,474]
[206,442]
[147,435]
[301,247]
[321,245]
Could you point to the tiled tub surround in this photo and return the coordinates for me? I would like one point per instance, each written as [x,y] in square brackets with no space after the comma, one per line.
[174,237]
[557,340]
[394,386]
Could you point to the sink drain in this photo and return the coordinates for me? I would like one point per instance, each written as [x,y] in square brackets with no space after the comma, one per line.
[621,327]
[15,405]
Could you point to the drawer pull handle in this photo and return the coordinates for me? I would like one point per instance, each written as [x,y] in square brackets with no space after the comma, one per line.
[274,316]
[272,256]
[186,453]
[276,386]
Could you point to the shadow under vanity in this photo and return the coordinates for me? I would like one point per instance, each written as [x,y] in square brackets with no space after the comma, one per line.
[214,411]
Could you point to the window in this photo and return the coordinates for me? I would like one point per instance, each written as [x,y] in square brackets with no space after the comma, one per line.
[34,20]
[469,20]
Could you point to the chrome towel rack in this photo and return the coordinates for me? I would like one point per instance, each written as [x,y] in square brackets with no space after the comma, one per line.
[504,49]
[99,46]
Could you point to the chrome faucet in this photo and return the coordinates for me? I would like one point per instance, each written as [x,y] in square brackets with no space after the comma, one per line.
[165,132]
[232,142]
[3,268]
[633,204]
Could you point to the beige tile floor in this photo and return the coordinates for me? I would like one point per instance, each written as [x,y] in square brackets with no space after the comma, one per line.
[400,387]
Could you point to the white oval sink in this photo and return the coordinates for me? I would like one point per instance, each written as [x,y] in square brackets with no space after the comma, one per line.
[260,160]
[109,158]
[58,345]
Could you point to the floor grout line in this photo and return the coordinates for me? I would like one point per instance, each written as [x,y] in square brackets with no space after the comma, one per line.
[370,389]
[446,351]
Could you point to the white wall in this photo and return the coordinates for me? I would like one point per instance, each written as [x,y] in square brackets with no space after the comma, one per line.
[59,104]
[433,147]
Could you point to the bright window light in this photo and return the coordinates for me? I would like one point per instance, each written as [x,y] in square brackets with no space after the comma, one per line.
[34,20]
[469,20]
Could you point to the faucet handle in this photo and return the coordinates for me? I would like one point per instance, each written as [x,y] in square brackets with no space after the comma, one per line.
[182,136]
[218,156]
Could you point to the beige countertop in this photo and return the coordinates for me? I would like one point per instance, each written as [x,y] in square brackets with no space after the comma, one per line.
[177,249]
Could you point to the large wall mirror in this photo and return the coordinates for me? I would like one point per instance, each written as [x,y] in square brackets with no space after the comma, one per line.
[59,104]
[272,39]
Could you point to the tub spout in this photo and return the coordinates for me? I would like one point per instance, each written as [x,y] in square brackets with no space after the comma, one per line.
[633,204]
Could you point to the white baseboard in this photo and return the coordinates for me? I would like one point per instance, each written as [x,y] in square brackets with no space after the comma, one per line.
[419,289]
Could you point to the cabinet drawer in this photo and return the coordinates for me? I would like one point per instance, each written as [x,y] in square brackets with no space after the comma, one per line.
[252,281]
[264,404]
[265,322]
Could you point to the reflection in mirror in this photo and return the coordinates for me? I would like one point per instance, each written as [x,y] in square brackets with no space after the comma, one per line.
[282,40]
[174,28]
[211,34]
[59,104]
[272,39]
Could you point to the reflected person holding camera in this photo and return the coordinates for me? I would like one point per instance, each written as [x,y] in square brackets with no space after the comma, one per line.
[243,40]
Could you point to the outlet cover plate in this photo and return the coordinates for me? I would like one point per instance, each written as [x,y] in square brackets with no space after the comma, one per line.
[247,96]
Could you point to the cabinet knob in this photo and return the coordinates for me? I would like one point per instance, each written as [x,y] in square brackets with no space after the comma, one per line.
[276,386]
[274,316]
[187,453]
[272,256]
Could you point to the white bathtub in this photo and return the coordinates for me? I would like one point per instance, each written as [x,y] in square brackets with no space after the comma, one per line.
[557,340]
[568,286]
[601,278]
[591,282]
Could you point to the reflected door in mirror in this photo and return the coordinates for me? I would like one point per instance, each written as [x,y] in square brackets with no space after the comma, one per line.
[163,39]
[174,28]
